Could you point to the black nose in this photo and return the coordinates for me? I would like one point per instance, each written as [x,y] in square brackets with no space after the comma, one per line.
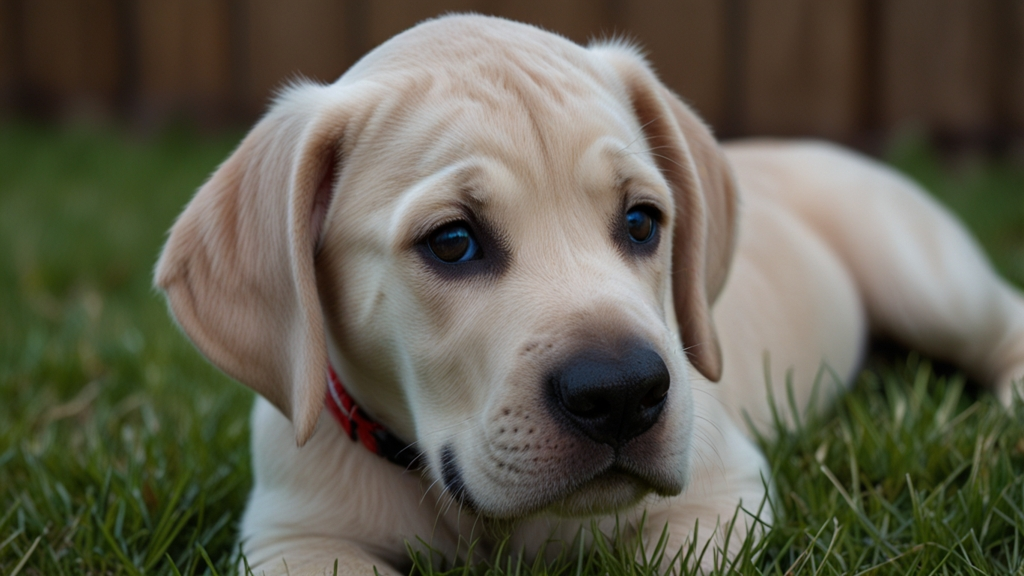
[612,398]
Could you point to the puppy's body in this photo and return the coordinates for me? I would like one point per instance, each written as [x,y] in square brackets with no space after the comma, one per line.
[841,245]
[543,379]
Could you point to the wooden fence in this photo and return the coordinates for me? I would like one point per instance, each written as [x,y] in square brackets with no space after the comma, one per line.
[843,69]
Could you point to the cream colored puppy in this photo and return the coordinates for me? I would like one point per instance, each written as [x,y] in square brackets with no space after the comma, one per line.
[508,248]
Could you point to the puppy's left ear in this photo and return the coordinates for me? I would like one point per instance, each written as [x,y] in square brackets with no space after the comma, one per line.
[238,268]
[705,196]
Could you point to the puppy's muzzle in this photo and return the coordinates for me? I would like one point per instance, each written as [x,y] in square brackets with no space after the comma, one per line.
[611,397]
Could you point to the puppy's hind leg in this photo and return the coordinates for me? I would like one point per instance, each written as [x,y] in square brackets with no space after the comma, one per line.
[924,280]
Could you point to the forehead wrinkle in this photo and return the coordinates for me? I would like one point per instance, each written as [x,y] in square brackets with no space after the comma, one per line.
[540,88]
[511,121]
[487,182]
[536,112]
[573,226]
[526,119]
[447,194]
[447,123]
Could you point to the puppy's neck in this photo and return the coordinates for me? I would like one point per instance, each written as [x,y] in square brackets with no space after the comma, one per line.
[361,427]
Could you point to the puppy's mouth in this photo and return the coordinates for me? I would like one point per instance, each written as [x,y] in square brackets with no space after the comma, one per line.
[609,491]
[615,485]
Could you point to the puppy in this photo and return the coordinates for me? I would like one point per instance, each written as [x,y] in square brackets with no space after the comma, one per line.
[533,293]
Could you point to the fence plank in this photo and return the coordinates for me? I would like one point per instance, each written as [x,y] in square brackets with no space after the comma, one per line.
[287,39]
[686,43]
[184,56]
[937,65]
[791,67]
[71,56]
[1013,98]
[802,67]
[8,52]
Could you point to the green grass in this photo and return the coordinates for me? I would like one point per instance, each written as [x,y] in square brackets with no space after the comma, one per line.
[119,446]
[123,452]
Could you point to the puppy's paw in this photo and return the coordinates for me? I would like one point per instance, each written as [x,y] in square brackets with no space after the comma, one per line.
[343,567]
[1010,384]
[313,556]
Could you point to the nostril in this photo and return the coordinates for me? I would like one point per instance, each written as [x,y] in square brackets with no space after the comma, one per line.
[656,395]
[585,405]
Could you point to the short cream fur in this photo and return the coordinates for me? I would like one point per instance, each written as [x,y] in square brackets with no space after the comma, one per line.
[305,247]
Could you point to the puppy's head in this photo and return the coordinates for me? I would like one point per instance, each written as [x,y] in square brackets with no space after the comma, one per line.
[501,240]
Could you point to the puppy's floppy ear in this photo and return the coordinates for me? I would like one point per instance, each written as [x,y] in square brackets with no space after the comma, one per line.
[238,268]
[706,202]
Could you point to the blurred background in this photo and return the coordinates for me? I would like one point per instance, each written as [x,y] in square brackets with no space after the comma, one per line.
[855,71]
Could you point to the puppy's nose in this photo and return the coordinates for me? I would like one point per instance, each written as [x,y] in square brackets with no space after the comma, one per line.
[612,398]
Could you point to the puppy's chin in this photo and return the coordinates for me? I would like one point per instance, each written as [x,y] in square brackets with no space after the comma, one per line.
[609,492]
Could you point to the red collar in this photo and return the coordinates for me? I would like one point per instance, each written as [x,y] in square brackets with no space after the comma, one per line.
[360,427]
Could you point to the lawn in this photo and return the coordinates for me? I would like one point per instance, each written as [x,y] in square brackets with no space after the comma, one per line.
[123,452]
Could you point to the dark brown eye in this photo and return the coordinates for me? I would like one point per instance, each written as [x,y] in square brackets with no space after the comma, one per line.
[640,225]
[453,243]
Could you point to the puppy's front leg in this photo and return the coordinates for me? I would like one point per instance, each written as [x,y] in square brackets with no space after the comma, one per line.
[313,555]
[331,499]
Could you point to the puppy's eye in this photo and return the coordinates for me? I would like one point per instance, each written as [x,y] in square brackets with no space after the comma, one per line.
[453,243]
[640,225]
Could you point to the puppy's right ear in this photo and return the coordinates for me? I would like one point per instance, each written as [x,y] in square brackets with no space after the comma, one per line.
[238,268]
